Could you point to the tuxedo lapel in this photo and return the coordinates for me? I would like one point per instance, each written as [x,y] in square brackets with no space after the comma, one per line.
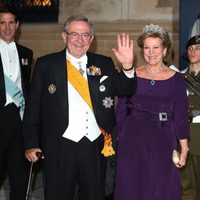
[93,82]
[22,66]
[20,54]
[2,85]
[60,69]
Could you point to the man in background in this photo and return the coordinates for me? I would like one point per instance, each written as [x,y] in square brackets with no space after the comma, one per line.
[15,70]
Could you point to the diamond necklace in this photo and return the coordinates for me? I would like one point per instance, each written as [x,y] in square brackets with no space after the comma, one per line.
[153,72]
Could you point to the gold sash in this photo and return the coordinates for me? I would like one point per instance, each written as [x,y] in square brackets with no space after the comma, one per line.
[81,86]
[79,83]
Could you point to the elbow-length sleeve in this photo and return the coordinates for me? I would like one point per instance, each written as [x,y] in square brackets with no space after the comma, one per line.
[181,109]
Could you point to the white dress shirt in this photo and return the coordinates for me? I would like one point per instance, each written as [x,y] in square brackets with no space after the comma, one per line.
[82,122]
[11,66]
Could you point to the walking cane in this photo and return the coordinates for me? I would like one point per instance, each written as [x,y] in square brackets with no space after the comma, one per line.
[39,155]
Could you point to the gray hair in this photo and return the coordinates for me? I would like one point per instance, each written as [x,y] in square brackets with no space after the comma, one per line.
[79,18]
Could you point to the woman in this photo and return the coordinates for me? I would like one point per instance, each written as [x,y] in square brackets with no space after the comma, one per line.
[150,123]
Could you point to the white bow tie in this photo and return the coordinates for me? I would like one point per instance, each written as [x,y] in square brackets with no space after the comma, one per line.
[11,46]
[82,60]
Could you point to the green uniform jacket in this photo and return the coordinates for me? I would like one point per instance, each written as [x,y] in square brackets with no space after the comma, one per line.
[194,110]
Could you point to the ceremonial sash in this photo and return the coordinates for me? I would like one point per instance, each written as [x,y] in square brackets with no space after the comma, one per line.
[81,86]
[79,83]
[15,93]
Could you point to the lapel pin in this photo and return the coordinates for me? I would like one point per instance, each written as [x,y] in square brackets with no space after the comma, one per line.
[24,61]
[102,88]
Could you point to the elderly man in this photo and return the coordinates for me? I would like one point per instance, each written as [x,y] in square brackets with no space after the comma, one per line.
[71,109]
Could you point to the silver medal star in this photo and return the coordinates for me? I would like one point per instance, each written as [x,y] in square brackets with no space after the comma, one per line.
[108,102]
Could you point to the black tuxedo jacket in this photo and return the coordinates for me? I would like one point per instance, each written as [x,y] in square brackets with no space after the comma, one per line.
[26,55]
[47,109]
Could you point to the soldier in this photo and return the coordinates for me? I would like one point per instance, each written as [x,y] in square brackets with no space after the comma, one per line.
[190,174]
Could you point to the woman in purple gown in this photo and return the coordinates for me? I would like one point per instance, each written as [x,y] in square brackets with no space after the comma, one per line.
[151,124]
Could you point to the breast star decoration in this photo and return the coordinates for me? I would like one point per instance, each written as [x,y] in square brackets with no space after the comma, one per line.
[108,102]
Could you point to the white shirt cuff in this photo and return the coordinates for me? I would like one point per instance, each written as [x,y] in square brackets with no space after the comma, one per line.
[132,75]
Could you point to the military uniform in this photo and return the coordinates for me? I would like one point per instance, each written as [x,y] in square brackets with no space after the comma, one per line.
[190,174]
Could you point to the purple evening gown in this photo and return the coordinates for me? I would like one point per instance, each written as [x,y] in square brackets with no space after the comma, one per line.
[145,170]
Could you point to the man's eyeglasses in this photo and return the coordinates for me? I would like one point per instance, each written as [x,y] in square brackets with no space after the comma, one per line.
[75,35]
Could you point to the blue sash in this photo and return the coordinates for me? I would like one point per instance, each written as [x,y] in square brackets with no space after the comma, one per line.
[15,93]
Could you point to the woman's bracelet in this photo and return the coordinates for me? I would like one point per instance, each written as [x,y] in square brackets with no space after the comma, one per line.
[129,69]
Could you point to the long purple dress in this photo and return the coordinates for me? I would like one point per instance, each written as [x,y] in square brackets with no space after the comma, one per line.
[145,170]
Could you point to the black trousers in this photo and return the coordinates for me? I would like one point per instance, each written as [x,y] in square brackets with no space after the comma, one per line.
[12,159]
[68,163]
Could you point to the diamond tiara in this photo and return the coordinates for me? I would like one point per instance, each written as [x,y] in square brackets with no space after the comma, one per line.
[154,29]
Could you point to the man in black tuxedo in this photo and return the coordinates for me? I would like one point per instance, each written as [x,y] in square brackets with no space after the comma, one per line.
[15,70]
[71,104]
